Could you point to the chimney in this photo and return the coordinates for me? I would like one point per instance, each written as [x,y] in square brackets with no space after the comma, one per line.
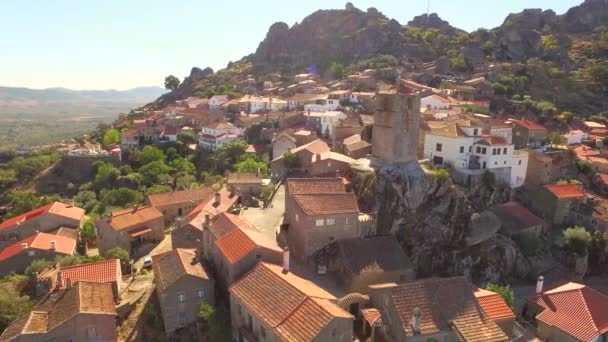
[70,204]
[24,245]
[206,223]
[135,208]
[416,320]
[59,280]
[286,260]
[53,245]
[539,285]
[318,157]
[178,222]
[68,283]
[218,198]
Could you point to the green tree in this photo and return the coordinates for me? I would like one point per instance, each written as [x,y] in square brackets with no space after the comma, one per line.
[7,178]
[24,201]
[121,197]
[584,166]
[442,175]
[12,306]
[555,139]
[111,137]
[337,71]
[505,292]
[105,175]
[206,312]
[171,82]
[85,199]
[157,189]
[458,64]
[154,172]
[251,165]
[151,154]
[187,138]
[36,266]
[118,253]
[183,166]
[488,179]
[185,181]
[290,161]
[577,240]
[87,231]
[266,192]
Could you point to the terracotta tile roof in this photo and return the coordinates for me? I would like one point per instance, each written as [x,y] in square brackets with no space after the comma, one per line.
[493,140]
[221,126]
[295,308]
[210,207]
[327,203]
[371,316]
[71,233]
[530,125]
[566,191]
[235,246]
[493,305]
[40,241]
[339,157]
[520,213]
[97,272]
[444,303]
[172,266]
[382,252]
[183,196]
[451,130]
[129,218]
[243,178]
[55,309]
[439,98]
[575,309]
[56,208]
[224,223]
[301,186]
[315,147]
[603,177]
[170,130]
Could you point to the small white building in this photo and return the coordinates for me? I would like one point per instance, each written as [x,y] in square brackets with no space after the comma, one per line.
[254,104]
[435,102]
[471,152]
[360,97]
[326,121]
[322,103]
[219,134]
[575,137]
[216,101]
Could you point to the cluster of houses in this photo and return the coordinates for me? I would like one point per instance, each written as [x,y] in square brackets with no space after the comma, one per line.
[324,275]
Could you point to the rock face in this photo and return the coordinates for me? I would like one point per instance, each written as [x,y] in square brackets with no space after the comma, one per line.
[433,21]
[185,89]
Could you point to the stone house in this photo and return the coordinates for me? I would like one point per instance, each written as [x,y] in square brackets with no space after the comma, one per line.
[82,312]
[361,262]
[136,230]
[43,219]
[58,277]
[550,166]
[555,202]
[356,148]
[317,216]
[271,304]
[182,285]
[216,101]
[304,136]
[178,203]
[591,213]
[304,154]
[516,219]
[496,309]
[329,163]
[18,256]
[528,134]
[249,184]
[345,129]
[281,144]
[233,246]
[571,312]
[442,309]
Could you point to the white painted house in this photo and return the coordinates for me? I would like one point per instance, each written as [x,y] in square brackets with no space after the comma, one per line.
[326,121]
[254,104]
[219,134]
[471,152]
[216,101]
[575,137]
[322,103]
[435,102]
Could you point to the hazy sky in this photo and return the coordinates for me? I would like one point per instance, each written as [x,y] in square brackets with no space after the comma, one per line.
[120,44]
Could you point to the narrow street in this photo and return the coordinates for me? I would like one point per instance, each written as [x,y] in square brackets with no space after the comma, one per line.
[268,220]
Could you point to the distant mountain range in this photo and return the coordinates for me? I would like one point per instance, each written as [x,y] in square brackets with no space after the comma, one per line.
[136,95]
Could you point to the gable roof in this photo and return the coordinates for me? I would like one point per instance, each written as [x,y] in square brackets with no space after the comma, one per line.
[493,305]
[566,191]
[183,196]
[129,218]
[300,186]
[57,308]
[327,203]
[97,272]
[40,241]
[295,308]
[243,178]
[315,147]
[381,253]
[437,98]
[172,266]
[520,213]
[235,245]
[445,304]
[530,125]
[575,309]
[56,208]
[335,156]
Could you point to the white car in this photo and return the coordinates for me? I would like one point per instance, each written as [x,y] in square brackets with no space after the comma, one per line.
[148,262]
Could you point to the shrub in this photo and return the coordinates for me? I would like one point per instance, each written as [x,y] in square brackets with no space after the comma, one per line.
[584,166]
[118,253]
[505,292]
[36,266]
[488,179]
[528,242]
[12,306]
[577,240]
[442,175]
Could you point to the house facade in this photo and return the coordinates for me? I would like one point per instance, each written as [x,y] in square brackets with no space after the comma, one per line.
[435,102]
[219,134]
[271,304]
[554,203]
[182,285]
[136,230]
[216,101]
[244,184]
[282,144]
[528,134]
[18,256]
[178,203]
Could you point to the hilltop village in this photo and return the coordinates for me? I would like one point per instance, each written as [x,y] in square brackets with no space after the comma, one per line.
[288,244]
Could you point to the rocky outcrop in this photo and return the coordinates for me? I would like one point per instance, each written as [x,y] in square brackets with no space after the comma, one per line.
[433,21]
[185,89]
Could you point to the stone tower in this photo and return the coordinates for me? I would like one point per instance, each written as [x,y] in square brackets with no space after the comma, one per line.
[396,125]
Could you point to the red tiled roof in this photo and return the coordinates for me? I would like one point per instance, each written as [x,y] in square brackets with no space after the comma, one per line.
[171,266]
[235,246]
[98,272]
[575,309]
[603,177]
[170,130]
[183,196]
[371,316]
[40,241]
[25,216]
[493,305]
[129,218]
[566,191]
[521,213]
[300,186]
[533,126]
[328,203]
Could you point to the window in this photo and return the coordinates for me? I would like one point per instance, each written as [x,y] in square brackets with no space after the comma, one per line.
[483,150]
[470,149]
[504,151]
[262,332]
[438,147]
[519,162]
[31,253]
[320,223]
[461,149]
[330,222]
[238,309]
[493,151]
[297,218]
[200,293]
[181,297]
[505,162]
[478,149]
[475,131]
[91,332]
[182,317]
[347,220]
[333,332]
[495,163]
